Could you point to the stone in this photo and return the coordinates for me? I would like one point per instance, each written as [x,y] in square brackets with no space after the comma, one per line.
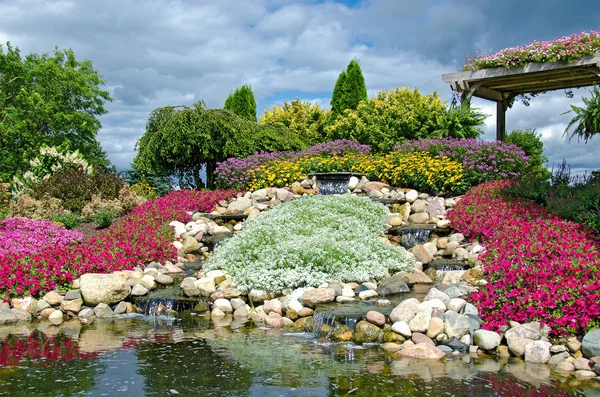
[516,345]
[418,218]
[420,323]
[436,207]
[596,369]
[274,320]
[121,308]
[486,340]
[573,344]
[414,277]
[223,305]
[53,298]
[391,347]
[530,331]
[294,304]
[376,318]
[418,206]
[453,276]
[72,295]
[102,310]
[316,296]
[367,294]
[216,312]
[558,358]
[304,324]
[436,327]
[404,211]
[396,221]
[236,303]
[257,296]
[103,288]
[421,351]
[353,183]
[582,373]
[402,328]
[71,305]
[411,303]
[28,303]
[435,293]
[192,292]
[56,315]
[590,345]
[273,305]
[206,286]
[470,309]
[418,337]
[86,313]
[239,205]
[365,332]
[383,302]
[9,316]
[171,268]
[139,290]
[305,312]
[347,292]
[190,245]
[370,186]
[421,254]
[164,279]
[404,314]
[202,307]
[558,349]
[44,313]
[457,237]
[42,304]
[392,285]
[582,363]
[375,194]
[411,196]
[455,324]
[455,304]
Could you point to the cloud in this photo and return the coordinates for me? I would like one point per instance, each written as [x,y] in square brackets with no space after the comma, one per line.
[163,52]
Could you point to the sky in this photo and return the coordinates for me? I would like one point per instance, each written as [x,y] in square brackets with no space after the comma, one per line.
[155,53]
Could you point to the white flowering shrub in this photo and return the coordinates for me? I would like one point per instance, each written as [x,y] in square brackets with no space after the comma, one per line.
[50,161]
[309,241]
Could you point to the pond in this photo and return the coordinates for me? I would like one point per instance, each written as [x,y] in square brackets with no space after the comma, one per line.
[192,355]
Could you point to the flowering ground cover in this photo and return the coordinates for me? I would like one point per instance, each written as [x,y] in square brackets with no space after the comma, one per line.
[539,267]
[22,236]
[567,49]
[140,237]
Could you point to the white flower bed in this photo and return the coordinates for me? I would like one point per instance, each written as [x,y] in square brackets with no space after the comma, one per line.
[310,241]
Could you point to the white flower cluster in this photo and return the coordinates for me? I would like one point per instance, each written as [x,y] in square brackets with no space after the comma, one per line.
[309,241]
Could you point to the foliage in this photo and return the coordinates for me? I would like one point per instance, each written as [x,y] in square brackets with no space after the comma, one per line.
[538,266]
[482,161]
[75,188]
[160,183]
[22,236]
[235,172]
[587,118]
[4,198]
[48,100]
[143,189]
[50,161]
[140,237]
[566,49]
[389,118]
[460,121]
[104,207]
[575,199]
[104,217]
[27,207]
[532,145]
[182,141]
[349,90]
[310,241]
[305,120]
[242,103]
[70,220]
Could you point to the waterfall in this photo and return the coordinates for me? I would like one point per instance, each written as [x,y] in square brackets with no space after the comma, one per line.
[157,306]
[414,236]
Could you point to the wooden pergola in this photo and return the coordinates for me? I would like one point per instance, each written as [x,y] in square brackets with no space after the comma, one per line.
[502,85]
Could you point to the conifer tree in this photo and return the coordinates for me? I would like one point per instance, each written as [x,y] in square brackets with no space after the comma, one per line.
[349,90]
[242,103]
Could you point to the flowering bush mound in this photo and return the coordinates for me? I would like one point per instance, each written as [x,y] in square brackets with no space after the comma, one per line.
[140,237]
[309,241]
[567,49]
[539,267]
[22,236]
[483,161]
[234,173]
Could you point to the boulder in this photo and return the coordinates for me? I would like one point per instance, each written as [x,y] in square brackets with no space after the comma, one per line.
[435,293]
[53,298]
[422,351]
[190,245]
[418,218]
[139,290]
[414,277]
[418,337]
[421,253]
[103,288]
[436,327]
[411,196]
[404,314]
[315,296]
[420,323]
[392,285]
[590,345]
[223,305]
[418,207]
[258,295]
[455,324]
[486,340]
[402,328]
[21,315]
[365,332]
[102,310]
[7,317]
[273,305]
[376,318]
[436,207]
[71,305]
[530,331]
[517,345]
[538,352]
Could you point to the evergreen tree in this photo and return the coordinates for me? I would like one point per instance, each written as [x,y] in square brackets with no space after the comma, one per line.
[349,90]
[242,103]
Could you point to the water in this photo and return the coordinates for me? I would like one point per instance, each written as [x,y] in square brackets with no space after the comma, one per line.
[137,356]
[414,236]
[332,187]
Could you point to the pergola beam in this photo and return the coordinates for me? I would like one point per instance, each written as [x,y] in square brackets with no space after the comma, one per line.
[501,85]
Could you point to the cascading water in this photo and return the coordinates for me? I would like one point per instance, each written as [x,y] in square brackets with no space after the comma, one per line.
[325,323]
[414,236]
[333,182]
[165,306]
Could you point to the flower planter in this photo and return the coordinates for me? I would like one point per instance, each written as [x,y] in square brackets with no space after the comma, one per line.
[333,182]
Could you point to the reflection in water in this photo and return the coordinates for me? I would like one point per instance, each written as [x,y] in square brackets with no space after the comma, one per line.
[147,356]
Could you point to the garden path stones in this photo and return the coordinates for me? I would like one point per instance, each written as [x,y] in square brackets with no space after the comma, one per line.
[392,285]
[103,288]
[590,345]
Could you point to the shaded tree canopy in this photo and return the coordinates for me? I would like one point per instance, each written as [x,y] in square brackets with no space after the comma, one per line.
[183,141]
[242,103]
[48,100]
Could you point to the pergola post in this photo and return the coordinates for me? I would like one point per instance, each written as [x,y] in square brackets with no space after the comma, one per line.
[501,120]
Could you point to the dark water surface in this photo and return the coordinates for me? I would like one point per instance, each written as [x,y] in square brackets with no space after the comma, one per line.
[191,357]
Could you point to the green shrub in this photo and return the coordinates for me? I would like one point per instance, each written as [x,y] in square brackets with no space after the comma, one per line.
[309,241]
[75,188]
[70,220]
[460,121]
[532,145]
[104,217]
[27,207]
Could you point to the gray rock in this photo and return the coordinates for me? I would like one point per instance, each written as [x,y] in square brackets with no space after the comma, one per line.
[239,205]
[42,304]
[590,345]
[139,290]
[445,349]
[436,207]
[72,295]
[121,308]
[517,345]
[537,352]
[458,237]
[596,369]
[102,310]
[7,317]
[86,313]
[455,324]
[455,304]
[71,305]
[486,340]
[258,296]
[103,288]
[313,297]
[401,314]
[21,315]
[164,279]
[459,289]
[392,285]
[435,293]
[470,309]
[420,322]
[530,331]
[558,358]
